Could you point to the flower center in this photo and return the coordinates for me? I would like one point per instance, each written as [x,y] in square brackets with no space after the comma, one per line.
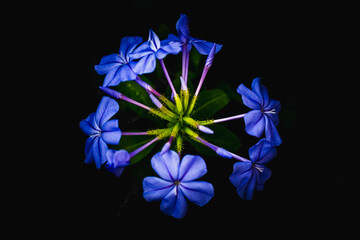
[272,111]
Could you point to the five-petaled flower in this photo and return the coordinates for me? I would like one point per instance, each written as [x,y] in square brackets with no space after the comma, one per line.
[101,131]
[264,117]
[116,161]
[177,183]
[182,27]
[152,49]
[119,67]
[250,175]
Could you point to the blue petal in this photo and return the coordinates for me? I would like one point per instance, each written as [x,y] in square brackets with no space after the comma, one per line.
[141,51]
[172,47]
[88,125]
[204,47]
[272,133]
[244,178]
[182,28]
[250,99]
[254,123]
[111,133]
[273,104]
[118,75]
[247,187]
[120,158]
[263,177]
[169,48]
[99,149]
[108,62]
[261,91]
[146,64]
[154,41]
[198,192]
[160,54]
[239,169]
[88,151]
[171,40]
[106,109]
[166,165]
[174,203]
[273,117]
[274,107]
[262,152]
[191,168]
[116,161]
[156,188]
[127,46]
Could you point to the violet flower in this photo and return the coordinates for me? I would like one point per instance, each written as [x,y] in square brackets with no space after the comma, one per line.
[151,50]
[250,175]
[264,117]
[119,67]
[116,161]
[182,28]
[177,183]
[101,131]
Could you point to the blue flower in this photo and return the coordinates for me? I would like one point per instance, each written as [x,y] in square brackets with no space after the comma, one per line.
[250,175]
[182,27]
[152,49]
[119,67]
[116,161]
[177,183]
[101,131]
[264,117]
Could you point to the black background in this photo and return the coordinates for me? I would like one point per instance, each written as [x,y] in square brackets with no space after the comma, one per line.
[298,50]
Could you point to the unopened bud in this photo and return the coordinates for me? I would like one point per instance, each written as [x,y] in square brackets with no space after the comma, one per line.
[210,57]
[155,101]
[223,153]
[205,129]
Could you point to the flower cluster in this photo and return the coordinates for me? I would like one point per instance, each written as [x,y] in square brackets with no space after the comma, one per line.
[177,179]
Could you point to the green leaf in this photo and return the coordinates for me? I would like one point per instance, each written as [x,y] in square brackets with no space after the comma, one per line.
[131,143]
[222,137]
[209,102]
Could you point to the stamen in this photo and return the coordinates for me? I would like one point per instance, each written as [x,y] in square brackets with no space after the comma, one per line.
[272,111]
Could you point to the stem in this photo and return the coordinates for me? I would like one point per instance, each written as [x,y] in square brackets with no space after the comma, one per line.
[185,62]
[221,151]
[168,77]
[132,154]
[125,98]
[184,53]
[187,66]
[228,118]
[146,86]
[239,158]
[134,133]
[208,63]
[117,95]
[203,75]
